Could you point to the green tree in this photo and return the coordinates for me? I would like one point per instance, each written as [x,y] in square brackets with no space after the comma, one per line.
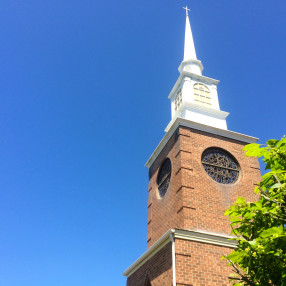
[260,227]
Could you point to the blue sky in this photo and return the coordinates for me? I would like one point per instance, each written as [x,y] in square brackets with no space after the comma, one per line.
[83,104]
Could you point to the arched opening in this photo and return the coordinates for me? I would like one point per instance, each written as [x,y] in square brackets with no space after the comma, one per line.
[202,95]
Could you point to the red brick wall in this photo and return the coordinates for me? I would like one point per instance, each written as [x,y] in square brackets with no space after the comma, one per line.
[200,264]
[194,200]
[158,269]
[197,264]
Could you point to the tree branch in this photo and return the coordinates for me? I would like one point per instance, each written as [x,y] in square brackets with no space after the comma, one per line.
[243,277]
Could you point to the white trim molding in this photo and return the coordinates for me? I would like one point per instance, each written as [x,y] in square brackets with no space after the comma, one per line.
[191,235]
[200,114]
[173,257]
[156,247]
[171,128]
[206,237]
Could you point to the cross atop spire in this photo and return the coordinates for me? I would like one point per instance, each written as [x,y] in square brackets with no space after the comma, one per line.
[186,8]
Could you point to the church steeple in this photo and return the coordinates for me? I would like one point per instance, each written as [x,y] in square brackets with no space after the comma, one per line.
[195,173]
[189,50]
[190,61]
[194,97]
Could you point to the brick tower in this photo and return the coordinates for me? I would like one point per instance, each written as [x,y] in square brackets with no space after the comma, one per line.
[196,172]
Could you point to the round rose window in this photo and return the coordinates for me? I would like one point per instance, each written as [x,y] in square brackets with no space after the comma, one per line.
[220,166]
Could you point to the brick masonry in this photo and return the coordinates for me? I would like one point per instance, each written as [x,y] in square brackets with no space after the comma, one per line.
[158,270]
[197,264]
[194,200]
[200,263]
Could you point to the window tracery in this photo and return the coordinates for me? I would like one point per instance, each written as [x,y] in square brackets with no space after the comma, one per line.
[164,177]
[220,166]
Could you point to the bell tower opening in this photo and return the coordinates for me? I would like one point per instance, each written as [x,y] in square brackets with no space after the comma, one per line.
[202,95]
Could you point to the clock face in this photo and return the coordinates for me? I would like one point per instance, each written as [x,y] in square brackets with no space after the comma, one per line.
[220,165]
[164,177]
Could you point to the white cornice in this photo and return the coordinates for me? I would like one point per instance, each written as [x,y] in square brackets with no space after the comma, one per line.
[158,245]
[203,110]
[198,126]
[207,110]
[160,147]
[206,237]
[201,78]
[191,235]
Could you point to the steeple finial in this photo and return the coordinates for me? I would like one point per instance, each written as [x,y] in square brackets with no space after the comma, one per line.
[186,8]
[189,52]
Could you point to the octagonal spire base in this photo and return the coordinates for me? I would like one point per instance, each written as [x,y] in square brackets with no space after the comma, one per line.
[193,66]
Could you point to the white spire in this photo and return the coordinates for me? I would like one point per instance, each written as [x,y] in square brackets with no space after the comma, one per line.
[189,52]
[190,62]
[194,97]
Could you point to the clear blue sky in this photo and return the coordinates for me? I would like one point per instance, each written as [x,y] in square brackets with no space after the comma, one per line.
[83,104]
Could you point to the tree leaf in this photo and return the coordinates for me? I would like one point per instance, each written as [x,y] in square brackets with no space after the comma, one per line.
[276,186]
[271,231]
[260,226]
[272,142]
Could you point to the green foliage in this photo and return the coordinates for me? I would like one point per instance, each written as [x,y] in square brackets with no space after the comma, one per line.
[260,227]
